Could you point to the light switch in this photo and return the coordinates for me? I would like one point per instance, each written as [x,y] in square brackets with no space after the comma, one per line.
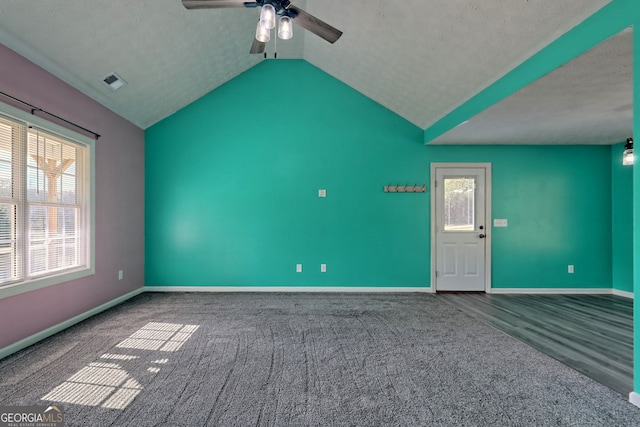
[499,222]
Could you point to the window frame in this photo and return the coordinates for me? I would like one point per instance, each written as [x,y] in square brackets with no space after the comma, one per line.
[87,187]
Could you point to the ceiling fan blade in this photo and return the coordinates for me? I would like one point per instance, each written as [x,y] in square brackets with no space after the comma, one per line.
[257,47]
[216,4]
[315,25]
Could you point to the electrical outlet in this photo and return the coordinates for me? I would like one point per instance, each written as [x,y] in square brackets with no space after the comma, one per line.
[298,268]
[120,275]
[323,268]
[322,193]
[570,269]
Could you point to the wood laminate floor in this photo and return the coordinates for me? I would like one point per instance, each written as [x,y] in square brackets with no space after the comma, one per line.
[592,334]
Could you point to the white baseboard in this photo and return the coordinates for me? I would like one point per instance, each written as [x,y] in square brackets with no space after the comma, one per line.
[343,289]
[634,398]
[26,342]
[593,291]
[351,289]
[6,351]
[620,293]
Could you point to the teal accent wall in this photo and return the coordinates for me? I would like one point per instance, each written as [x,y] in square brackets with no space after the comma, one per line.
[621,221]
[233,180]
[232,193]
[557,200]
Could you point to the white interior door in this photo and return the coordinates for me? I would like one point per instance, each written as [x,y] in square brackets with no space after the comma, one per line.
[460,228]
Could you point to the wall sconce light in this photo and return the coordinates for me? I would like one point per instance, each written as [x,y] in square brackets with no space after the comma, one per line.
[627,155]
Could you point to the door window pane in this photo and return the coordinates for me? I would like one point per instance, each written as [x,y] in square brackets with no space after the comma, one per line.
[459,204]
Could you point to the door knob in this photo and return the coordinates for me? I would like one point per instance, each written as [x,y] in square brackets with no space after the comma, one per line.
[482,236]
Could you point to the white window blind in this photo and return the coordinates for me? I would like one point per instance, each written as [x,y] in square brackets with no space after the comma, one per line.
[11,135]
[44,203]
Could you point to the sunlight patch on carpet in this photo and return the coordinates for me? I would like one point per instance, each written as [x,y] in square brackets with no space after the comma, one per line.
[159,336]
[109,384]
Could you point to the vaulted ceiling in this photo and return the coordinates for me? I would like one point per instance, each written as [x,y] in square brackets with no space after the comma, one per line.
[421,59]
[589,100]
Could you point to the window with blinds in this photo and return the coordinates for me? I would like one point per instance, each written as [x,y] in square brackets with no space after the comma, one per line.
[44,202]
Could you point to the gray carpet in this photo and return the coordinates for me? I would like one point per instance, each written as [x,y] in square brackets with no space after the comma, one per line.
[301,360]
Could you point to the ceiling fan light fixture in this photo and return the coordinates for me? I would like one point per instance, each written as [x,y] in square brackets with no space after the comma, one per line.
[627,155]
[270,10]
[268,16]
[285,28]
[262,34]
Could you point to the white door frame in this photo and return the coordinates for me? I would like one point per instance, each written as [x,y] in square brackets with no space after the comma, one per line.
[488,219]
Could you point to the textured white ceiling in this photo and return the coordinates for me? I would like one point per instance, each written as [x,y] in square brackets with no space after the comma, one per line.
[587,101]
[419,59]
[168,55]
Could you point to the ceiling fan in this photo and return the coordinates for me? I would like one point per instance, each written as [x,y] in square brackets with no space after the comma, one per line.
[270,9]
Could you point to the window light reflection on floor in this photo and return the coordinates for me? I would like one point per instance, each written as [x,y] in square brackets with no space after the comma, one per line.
[108,384]
[97,383]
[118,356]
[159,336]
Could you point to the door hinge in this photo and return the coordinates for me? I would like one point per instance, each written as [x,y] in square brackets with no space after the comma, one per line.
[436,273]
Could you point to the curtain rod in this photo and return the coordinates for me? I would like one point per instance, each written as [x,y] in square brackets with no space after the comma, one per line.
[34,109]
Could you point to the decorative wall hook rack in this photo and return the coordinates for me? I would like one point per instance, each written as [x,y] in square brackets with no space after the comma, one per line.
[415,188]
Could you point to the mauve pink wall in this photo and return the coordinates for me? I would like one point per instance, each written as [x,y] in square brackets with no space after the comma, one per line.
[119,204]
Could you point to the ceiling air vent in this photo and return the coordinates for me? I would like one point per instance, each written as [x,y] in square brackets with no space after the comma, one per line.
[114,81]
